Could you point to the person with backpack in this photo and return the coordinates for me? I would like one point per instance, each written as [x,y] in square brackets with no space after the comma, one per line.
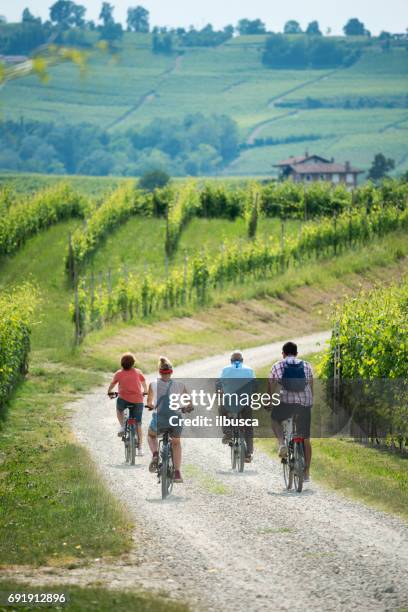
[292,378]
[158,399]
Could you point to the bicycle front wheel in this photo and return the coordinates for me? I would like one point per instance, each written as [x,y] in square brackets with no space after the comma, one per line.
[299,466]
[287,473]
[132,446]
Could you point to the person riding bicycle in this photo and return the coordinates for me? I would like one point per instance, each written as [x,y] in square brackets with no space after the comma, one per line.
[293,379]
[235,380]
[158,400]
[132,387]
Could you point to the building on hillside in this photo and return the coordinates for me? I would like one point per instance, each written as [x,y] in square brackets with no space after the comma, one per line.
[308,168]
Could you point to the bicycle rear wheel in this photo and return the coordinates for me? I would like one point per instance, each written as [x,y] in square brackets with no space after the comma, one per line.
[126,443]
[299,466]
[132,445]
[166,473]
[241,453]
[233,456]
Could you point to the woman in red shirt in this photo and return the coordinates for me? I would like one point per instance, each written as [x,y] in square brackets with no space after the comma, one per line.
[132,387]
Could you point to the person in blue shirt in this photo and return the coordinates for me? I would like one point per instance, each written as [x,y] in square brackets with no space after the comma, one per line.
[235,382]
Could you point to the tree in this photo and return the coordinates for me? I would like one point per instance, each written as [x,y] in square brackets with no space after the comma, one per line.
[162,42]
[313,29]
[106,14]
[61,13]
[28,17]
[152,179]
[246,26]
[354,27]
[292,27]
[380,166]
[78,14]
[138,19]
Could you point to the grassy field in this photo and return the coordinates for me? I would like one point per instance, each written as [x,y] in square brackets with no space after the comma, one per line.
[71,515]
[94,599]
[136,86]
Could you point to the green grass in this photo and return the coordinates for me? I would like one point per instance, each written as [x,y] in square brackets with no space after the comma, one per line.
[94,599]
[55,508]
[229,79]
[88,185]
[206,481]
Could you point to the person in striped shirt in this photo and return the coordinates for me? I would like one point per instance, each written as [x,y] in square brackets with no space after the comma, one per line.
[292,378]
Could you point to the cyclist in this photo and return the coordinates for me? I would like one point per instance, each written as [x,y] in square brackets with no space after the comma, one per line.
[293,379]
[158,399]
[132,387]
[236,379]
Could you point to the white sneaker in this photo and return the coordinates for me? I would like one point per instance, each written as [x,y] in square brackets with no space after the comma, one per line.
[140,452]
[121,431]
[283,451]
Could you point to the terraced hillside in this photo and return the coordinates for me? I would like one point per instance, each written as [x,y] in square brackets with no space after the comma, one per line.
[350,113]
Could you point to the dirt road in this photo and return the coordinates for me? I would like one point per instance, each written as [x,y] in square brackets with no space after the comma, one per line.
[240,541]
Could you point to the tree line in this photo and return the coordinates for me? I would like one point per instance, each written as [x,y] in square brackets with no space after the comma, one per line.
[194,145]
[67,23]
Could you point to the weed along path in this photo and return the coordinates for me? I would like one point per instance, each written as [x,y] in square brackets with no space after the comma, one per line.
[240,541]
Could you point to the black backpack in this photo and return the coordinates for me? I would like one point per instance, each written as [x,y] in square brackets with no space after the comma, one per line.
[294,377]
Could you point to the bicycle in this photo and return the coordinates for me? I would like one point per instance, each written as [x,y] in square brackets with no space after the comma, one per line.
[129,436]
[294,464]
[238,449]
[165,466]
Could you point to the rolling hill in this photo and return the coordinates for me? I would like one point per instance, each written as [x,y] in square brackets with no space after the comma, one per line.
[349,113]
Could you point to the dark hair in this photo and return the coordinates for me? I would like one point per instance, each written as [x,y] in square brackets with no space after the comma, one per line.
[128,361]
[290,348]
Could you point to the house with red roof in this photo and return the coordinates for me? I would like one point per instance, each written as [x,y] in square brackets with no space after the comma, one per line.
[308,168]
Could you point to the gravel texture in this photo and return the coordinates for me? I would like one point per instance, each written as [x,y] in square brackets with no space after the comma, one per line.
[251,546]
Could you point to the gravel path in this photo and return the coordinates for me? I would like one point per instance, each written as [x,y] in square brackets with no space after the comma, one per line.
[240,541]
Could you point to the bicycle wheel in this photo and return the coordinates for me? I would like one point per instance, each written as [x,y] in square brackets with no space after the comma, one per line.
[127,447]
[241,453]
[166,472]
[233,456]
[287,473]
[299,466]
[132,445]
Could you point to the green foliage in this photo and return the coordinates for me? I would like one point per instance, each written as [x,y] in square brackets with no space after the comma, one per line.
[380,166]
[153,179]
[216,200]
[27,216]
[123,203]
[302,52]
[235,263]
[16,310]
[371,333]
[183,208]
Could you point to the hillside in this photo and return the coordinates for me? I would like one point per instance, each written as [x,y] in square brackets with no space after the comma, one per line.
[349,113]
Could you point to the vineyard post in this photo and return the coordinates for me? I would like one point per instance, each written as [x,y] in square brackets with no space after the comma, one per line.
[334,233]
[71,263]
[92,292]
[184,298]
[222,265]
[76,307]
[282,245]
[304,202]
[109,283]
[336,374]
